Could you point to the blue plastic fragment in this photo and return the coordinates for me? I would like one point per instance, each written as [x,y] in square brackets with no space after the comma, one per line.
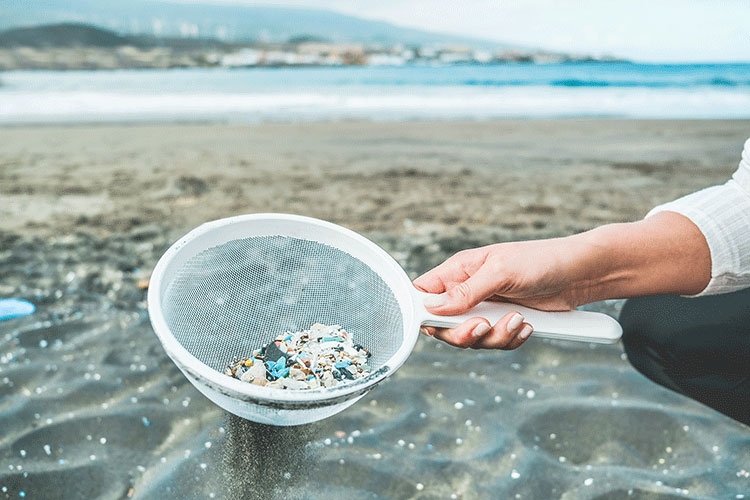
[288,337]
[331,339]
[342,364]
[346,372]
[278,369]
[15,308]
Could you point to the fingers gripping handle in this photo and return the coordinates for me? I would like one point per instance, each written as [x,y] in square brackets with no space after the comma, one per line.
[582,326]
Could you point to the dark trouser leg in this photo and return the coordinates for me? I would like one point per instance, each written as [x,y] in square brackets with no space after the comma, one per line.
[698,347]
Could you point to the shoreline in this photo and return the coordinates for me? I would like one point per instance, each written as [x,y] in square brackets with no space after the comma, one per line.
[387,94]
[353,120]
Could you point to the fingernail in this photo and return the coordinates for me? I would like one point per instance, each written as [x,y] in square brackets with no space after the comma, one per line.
[434,300]
[480,329]
[424,331]
[525,332]
[515,322]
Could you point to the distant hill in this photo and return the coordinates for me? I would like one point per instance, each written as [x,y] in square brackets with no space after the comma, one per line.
[82,35]
[230,23]
[61,35]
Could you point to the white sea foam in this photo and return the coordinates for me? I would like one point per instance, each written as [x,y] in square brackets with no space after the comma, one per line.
[19,107]
[186,96]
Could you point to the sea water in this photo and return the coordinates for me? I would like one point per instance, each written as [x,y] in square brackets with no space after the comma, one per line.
[92,407]
[623,90]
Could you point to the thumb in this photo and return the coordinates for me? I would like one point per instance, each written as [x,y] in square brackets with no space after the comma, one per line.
[465,295]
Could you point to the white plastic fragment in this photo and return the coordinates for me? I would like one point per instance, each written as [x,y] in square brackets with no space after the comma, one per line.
[322,356]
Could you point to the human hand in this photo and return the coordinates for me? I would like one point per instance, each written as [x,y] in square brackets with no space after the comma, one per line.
[531,273]
[662,254]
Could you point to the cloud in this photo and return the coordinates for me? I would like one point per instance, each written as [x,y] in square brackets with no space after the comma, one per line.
[650,30]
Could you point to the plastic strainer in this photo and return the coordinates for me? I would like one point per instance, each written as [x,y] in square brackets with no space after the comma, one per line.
[232,285]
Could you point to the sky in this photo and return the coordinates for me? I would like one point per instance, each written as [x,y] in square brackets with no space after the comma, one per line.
[643,30]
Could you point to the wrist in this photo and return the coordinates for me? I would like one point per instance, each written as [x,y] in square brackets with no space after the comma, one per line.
[595,263]
[663,254]
[607,268]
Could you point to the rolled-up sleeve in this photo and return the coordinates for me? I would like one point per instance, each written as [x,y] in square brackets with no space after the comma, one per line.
[722,213]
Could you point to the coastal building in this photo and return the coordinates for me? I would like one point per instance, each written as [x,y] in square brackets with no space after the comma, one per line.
[243,57]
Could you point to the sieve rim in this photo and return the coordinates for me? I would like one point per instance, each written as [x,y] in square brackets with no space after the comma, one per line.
[204,374]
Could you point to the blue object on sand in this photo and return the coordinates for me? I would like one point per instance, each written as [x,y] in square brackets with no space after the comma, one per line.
[15,308]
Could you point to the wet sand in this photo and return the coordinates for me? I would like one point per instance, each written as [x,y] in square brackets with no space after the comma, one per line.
[519,178]
[92,407]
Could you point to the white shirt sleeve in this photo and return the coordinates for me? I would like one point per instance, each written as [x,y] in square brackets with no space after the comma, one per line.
[722,213]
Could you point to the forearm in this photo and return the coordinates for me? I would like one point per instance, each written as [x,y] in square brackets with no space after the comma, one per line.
[663,254]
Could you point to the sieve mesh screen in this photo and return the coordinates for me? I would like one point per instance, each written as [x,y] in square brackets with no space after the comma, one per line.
[233,298]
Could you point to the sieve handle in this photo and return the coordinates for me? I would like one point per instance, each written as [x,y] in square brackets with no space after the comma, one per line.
[582,326]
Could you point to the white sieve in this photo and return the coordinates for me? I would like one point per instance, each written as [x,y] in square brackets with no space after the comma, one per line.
[232,285]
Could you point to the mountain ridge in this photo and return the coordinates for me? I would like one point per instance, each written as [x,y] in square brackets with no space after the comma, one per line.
[71,35]
[228,23]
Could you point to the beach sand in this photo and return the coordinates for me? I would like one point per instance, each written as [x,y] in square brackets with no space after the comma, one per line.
[92,407]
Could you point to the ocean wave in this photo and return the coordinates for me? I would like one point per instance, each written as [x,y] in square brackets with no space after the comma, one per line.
[384,104]
[576,82]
